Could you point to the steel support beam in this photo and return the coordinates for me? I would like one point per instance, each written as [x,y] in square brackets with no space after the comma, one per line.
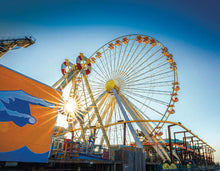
[130,126]
[96,109]
[162,153]
[170,143]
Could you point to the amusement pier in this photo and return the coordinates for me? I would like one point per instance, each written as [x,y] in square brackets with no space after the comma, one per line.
[108,111]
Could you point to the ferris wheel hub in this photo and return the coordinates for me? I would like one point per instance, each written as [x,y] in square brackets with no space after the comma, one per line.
[109,85]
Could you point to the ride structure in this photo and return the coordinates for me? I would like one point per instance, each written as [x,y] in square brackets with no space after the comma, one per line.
[133,77]
[7,44]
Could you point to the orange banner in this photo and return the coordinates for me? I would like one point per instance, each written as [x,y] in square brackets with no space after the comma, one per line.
[28,111]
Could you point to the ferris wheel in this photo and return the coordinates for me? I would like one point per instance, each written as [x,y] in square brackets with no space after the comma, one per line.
[132,77]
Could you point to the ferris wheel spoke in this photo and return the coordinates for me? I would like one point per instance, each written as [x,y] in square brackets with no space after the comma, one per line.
[98,67]
[115,49]
[144,104]
[151,83]
[139,60]
[131,58]
[165,78]
[95,84]
[151,93]
[110,59]
[107,61]
[149,98]
[157,59]
[156,75]
[135,59]
[96,80]
[118,60]
[97,93]
[141,69]
[104,72]
[151,52]
[142,86]
[127,56]
[161,124]
[148,78]
[148,90]
[98,88]
[162,64]
[98,73]
[104,62]
[122,58]
[141,113]
[144,62]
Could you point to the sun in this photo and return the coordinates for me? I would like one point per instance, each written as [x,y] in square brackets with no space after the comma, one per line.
[70,106]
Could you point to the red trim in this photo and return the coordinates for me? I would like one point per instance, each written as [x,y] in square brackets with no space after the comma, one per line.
[87,72]
[63,71]
[79,66]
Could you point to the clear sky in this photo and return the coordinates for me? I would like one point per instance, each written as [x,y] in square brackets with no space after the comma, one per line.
[190,30]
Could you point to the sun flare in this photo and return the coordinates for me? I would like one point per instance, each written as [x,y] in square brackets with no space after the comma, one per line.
[70,105]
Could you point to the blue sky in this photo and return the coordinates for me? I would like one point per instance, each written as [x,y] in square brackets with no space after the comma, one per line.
[190,30]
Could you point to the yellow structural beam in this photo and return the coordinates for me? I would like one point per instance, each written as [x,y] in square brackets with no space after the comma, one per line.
[96,110]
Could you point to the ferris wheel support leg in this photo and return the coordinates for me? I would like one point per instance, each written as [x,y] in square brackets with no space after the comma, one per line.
[96,109]
[108,120]
[145,130]
[92,117]
[147,127]
[74,87]
[82,130]
[131,128]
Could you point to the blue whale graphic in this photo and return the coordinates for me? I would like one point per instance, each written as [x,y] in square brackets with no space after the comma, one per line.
[14,106]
